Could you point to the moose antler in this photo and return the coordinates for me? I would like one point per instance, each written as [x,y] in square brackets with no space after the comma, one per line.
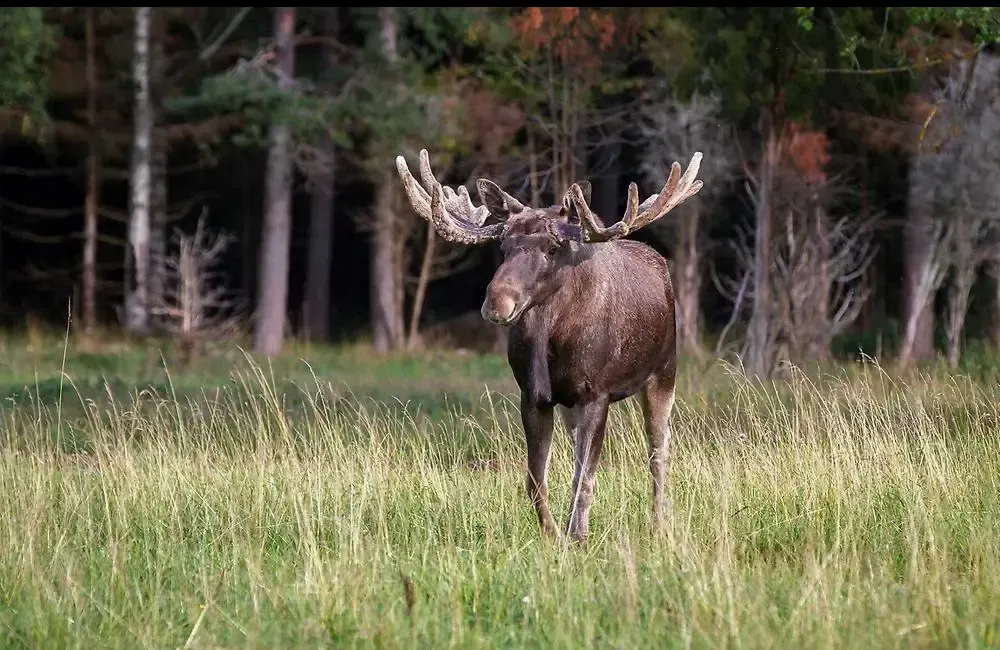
[676,190]
[452,213]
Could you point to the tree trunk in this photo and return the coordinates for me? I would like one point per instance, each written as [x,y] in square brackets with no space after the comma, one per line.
[821,337]
[158,183]
[918,311]
[316,310]
[387,313]
[687,262]
[137,252]
[422,281]
[277,226]
[927,280]
[93,184]
[958,307]
[387,318]
[759,340]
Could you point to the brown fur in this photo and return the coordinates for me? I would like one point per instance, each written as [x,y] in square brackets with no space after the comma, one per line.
[591,318]
[594,325]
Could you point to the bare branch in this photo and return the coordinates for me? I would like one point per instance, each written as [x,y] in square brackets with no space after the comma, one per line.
[209,51]
[196,304]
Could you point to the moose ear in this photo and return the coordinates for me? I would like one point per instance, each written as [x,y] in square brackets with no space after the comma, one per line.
[493,198]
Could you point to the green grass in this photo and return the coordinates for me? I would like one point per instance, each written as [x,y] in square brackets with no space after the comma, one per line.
[241,505]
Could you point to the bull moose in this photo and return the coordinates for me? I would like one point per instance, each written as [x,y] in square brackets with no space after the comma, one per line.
[591,318]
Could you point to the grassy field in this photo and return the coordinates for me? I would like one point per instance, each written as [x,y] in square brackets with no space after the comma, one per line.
[330,500]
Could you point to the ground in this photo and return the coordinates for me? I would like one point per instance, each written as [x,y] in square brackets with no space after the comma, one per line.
[328,499]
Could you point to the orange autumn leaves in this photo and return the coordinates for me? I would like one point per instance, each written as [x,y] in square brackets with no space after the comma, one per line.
[806,151]
[576,36]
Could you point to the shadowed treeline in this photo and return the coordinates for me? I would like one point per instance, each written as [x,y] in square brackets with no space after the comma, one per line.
[200,174]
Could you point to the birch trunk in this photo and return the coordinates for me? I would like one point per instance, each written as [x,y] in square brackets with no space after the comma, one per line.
[137,255]
[277,225]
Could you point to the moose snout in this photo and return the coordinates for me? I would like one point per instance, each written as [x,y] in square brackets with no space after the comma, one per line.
[501,305]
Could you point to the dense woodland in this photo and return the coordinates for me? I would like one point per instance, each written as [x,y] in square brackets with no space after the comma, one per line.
[206,173]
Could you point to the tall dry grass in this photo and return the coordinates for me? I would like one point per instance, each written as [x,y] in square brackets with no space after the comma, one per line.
[843,512]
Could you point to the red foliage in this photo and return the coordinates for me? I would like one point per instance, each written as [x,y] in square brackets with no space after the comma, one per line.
[485,123]
[576,35]
[806,151]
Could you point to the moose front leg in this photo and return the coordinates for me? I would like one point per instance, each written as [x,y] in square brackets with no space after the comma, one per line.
[590,424]
[537,421]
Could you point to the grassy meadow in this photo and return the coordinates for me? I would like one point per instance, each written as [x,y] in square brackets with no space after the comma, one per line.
[328,499]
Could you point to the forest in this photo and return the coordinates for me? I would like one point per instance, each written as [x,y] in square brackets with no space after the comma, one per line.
[250,395]
[247,154]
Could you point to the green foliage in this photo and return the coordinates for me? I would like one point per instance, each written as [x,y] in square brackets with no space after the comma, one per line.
[748,55]
[436,32]
[27,42]
[806,17]
[262,103]
[394,104]
[983,21]
[765,58]
[364,103]
[537,78]
[669,43]
[878,32]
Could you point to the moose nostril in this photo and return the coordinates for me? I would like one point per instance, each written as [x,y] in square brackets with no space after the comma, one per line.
[505,306]
[499,308]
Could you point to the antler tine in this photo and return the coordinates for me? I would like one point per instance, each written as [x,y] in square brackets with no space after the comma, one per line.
[419,198]
[675,191]
[452,214]
[460,204]
[426,175]
[589,223]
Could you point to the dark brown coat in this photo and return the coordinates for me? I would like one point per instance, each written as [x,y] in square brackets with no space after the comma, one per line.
[591,318]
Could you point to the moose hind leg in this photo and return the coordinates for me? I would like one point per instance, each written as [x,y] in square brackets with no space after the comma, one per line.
[537,422]
[591,421]
[657,400]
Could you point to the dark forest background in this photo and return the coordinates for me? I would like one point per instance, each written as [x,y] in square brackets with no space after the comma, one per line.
[213,173]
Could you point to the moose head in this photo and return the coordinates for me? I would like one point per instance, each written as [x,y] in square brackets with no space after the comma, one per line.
[537,242]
